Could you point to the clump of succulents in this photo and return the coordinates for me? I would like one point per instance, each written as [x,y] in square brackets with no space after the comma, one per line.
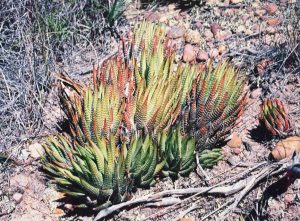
[122,125]
[216,102]
[274,116]
[104,173]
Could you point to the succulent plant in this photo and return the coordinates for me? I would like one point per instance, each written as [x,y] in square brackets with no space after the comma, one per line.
[209,158]
[136,85]
[215,103]
[122,124]
[94,174]
[178,152]
[274,116]
[95,113]
[101,173]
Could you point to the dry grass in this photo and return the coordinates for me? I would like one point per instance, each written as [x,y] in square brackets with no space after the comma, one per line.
[36,38]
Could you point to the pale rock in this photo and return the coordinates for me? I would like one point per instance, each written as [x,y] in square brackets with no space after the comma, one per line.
[18,197]
[271,8]
[222,49]
[248,32]
[289,198]
[202,55]
[24,155]
[235,141]
[228,12]
[211,2]
[270,30]
[172,22]
[236,151]
[192,37]
[256,93]
[213,53]
[189,53]
[19,181]
[240,29]
[171,7]
[176,32]
[190,218]
[208,35]
[197,24]
[260,12]
[236,1]
[223,35]
[164,19]
[153,16]
[215,28]
[273,21]
[268,40]
[35,150]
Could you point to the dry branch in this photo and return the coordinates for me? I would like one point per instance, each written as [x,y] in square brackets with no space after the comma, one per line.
[241,188]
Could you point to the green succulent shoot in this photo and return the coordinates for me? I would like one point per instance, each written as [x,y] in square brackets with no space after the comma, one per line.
[209,158]
[178,151]
[274,116]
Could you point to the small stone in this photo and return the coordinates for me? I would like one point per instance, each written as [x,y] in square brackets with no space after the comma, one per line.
[24,155]
[164,19]
[245,18]
[58,211]
[248,32]
[213,53]
[256,93]
[228,12]
[270,30]
[222,49]
[190,218]
[256,28]
[202,55]
[268,40]
[18,197]
[172,22]
[208,35]
[235,141]
[184,14]
[69,207]
[241,29]
[197,24]
[189,53]
[260,12]
[289,198]
[236,1]
[35,150]
[211,2]
[223,35]
[153,16]
[215,28]
[171,7]
[20,181]
[271,8]
[236,151]
[178,17]
[176,32]
[192,37]
[273,21]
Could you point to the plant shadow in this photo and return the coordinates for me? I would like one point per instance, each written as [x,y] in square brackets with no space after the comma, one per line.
[259,212]
[181,5]
[260,134]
